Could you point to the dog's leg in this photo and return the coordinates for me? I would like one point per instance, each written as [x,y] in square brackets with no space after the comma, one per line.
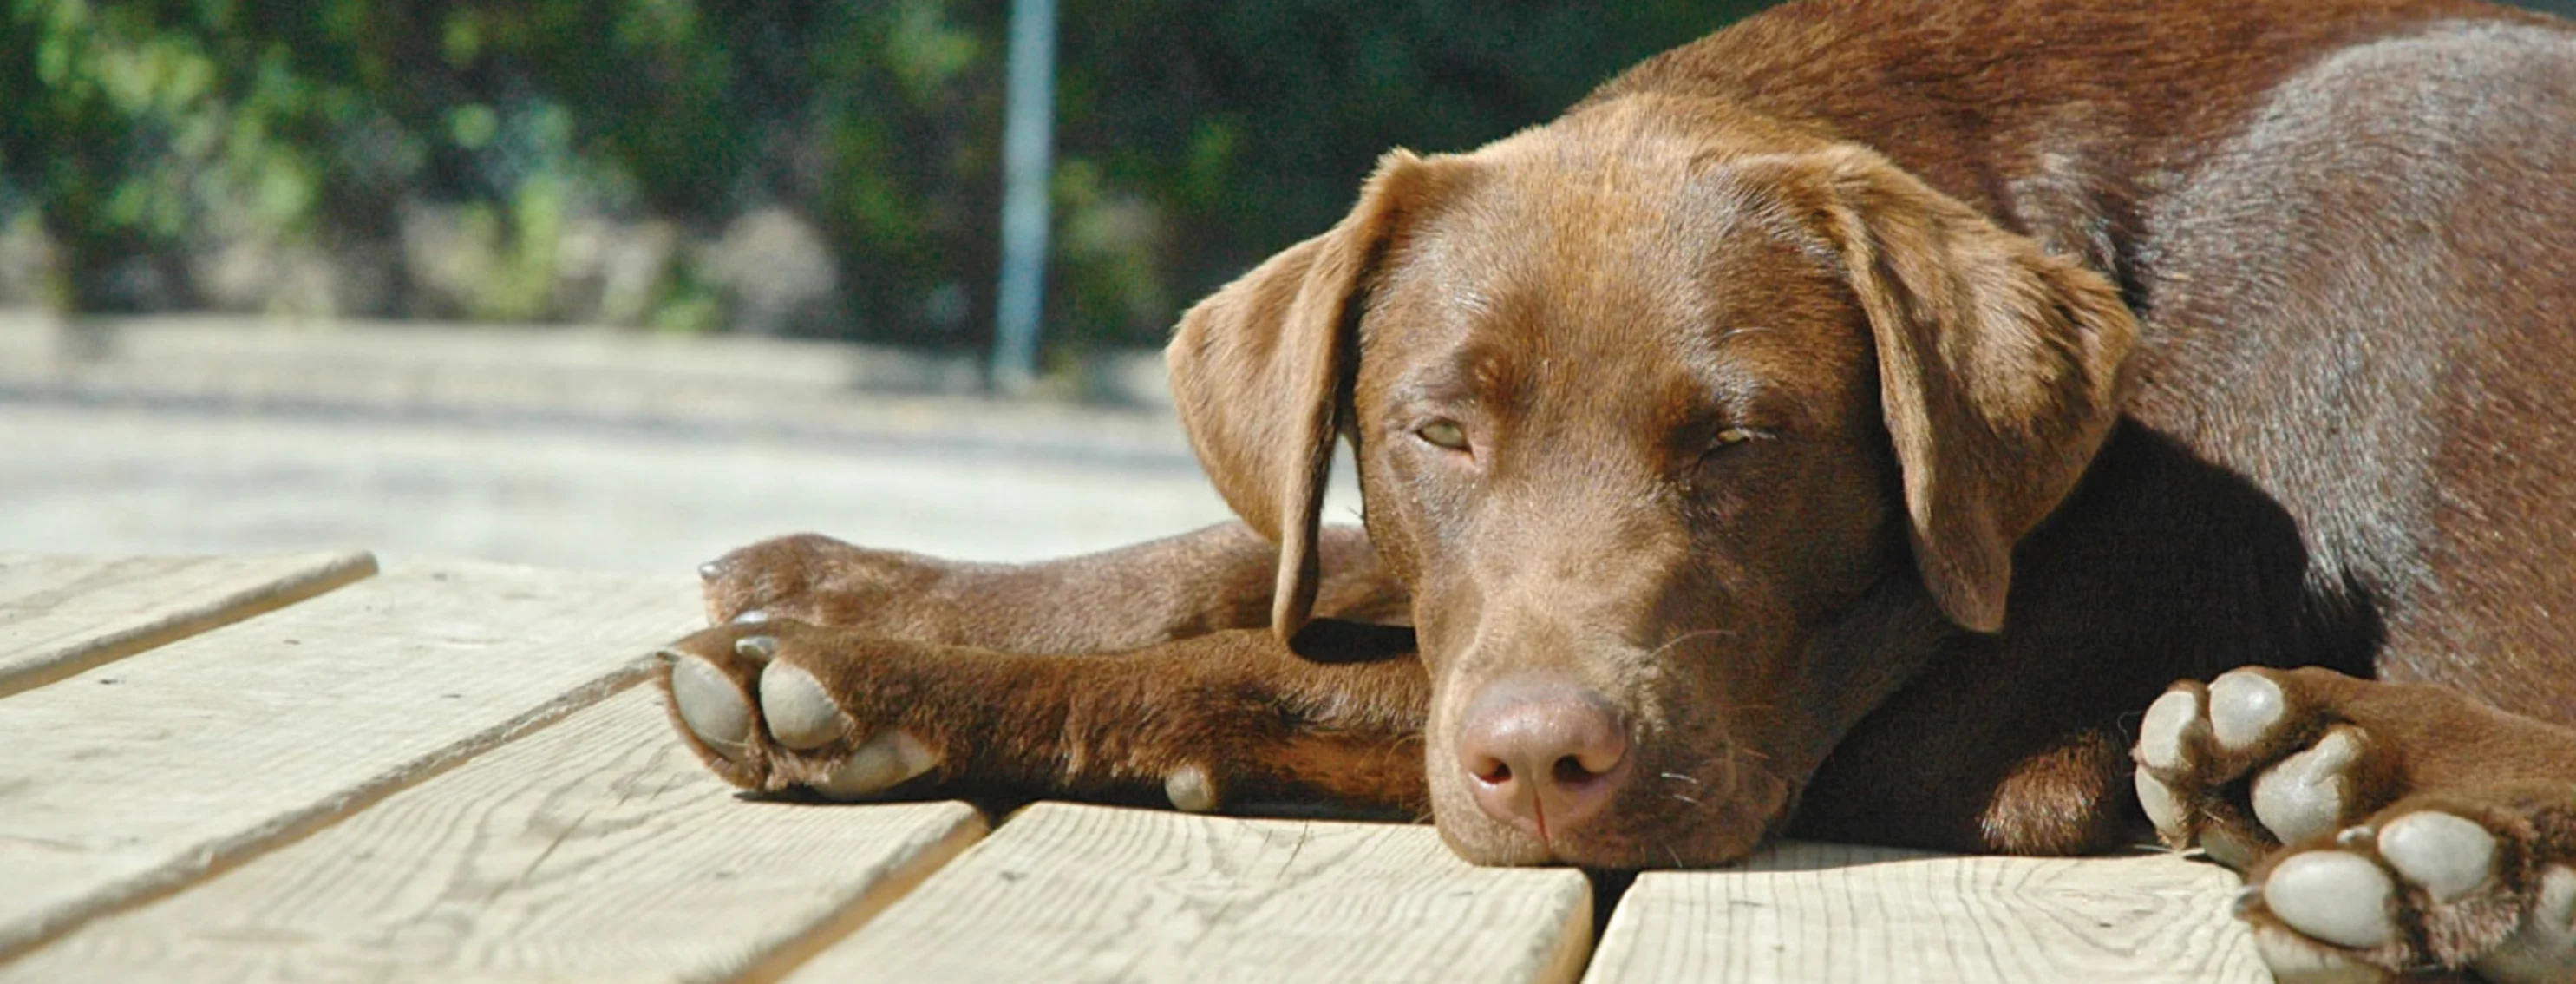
[1219,719]
[2425,832]
[1204,581]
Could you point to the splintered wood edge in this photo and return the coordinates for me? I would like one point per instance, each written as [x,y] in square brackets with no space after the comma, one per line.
[897,883]
[333,571]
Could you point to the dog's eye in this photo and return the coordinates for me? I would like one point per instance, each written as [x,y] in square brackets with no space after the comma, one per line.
[1444,433]
[1727,440]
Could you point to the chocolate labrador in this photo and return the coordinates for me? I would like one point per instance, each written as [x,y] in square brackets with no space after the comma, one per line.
[1845,426]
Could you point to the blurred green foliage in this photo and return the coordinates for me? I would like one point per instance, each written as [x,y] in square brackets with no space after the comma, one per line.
[462,151]
[1194,137]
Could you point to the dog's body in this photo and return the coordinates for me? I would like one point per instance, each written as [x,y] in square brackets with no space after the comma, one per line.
[1706,432]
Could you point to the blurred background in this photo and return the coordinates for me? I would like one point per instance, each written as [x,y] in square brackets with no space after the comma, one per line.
[619,283]
[820,170]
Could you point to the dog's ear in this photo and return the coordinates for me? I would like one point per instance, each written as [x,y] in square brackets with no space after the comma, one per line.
[2001,371]
[1261,373]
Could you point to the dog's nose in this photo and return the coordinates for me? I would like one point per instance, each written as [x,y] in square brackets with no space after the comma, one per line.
[1542,755]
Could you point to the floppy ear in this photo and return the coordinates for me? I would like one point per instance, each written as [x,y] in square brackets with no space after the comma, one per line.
[1261,373]
[2001,371]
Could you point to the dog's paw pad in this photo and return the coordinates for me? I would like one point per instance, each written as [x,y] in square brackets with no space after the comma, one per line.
[1191,790]
[791,706]
[2164,738]
[2333,896]
[800,715]
[2449,856]
[2304,797]
[2245,707]
[888,760]
[2250,762]
[2425,888]
[2164,809]
[710,705]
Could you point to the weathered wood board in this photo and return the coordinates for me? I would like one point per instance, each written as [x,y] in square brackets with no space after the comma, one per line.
[1081,893]
[414,776]
[63,615]
[594,849]
[1828,913]
[141,775]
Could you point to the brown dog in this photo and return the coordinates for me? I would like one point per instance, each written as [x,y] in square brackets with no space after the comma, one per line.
[1843,426]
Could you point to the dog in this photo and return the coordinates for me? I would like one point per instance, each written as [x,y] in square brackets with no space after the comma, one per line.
[1850,425]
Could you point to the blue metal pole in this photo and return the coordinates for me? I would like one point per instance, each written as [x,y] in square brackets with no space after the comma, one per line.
[1028,137]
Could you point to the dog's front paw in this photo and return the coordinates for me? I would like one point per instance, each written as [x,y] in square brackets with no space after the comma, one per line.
[2483,882]
[819,581]
[2256,759]
[2385,829]
[779,705]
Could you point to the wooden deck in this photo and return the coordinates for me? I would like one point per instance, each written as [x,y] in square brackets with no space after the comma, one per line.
[304,768]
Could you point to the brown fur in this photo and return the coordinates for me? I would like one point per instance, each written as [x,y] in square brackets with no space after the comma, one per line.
[2083,345]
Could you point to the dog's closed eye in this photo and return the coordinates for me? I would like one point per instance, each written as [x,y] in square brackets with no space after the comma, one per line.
[1443,434]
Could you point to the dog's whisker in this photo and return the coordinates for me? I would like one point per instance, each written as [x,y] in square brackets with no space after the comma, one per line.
[1678,777]
[1689,636]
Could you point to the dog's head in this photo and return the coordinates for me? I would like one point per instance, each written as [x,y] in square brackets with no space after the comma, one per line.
[1663,413]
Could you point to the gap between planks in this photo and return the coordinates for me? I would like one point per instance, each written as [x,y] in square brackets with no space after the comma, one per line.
[61,616]
[596,849]
[194,756]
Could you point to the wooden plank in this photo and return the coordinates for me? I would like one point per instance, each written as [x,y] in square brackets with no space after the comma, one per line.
[140,776]
[1082,893]
[595,849]
[1830,913]
[63,615]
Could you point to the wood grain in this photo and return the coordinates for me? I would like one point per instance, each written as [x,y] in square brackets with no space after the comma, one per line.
[1081,893]
[141,775]
[1826,913]
[595,849]
[63,615]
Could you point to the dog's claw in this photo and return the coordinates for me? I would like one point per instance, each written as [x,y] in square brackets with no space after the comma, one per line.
[710,571]
[2245,900]
[756,647]
[753,617]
